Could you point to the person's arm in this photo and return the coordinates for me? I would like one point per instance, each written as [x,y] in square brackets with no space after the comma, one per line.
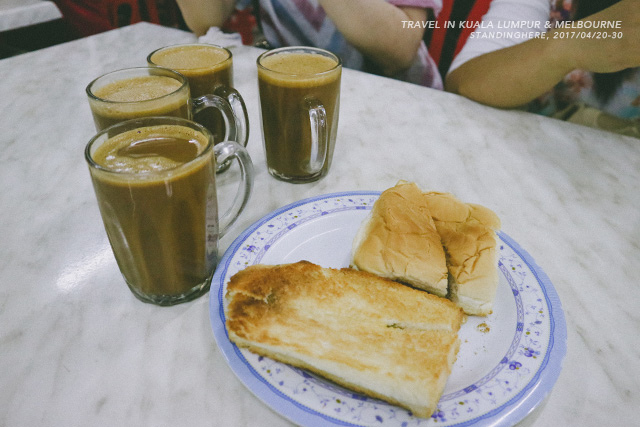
[512,76]
[375,28]
[518,74]
[200,15]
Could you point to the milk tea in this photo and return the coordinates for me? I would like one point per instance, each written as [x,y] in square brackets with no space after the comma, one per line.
[136,97]
[206,67]
[156,191]
[286,82]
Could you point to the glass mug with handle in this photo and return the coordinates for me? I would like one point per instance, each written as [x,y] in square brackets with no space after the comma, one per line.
[209,70]
[155,183]
[151,91]
[299,89]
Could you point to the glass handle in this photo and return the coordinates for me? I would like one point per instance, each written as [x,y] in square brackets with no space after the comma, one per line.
[226,151]
[319,136]
[220,103]
[239,109]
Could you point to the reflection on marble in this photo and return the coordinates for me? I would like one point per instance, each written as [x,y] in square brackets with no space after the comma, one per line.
[78,349]
[22,13]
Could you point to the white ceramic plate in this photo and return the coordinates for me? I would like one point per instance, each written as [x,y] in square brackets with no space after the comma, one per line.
[507,363]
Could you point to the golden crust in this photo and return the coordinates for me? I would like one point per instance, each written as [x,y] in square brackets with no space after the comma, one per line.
[399,241]
[469,239]
[367,333]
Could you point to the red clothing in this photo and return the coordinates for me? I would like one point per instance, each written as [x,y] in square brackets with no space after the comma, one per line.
[449,36]
[87,17]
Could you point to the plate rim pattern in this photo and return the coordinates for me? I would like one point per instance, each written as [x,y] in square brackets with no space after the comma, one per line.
[515,409]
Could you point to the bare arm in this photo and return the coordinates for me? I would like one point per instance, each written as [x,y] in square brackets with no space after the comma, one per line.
[512,76]
[516,75]
[375,28]
[200,15]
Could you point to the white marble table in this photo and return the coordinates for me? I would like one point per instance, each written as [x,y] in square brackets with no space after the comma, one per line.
[22,13]
[76,348]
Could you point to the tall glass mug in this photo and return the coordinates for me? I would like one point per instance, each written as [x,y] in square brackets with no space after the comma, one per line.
[155,182]
[300,99]
[209,70]
[152,91]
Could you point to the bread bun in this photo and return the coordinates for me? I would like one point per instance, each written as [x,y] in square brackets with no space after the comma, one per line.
[399,241]
[468,234]
[432,241]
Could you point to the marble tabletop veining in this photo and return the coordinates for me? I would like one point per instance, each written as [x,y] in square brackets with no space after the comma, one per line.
[77,349]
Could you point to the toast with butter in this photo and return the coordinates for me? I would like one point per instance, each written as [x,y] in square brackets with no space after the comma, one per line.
[369,334]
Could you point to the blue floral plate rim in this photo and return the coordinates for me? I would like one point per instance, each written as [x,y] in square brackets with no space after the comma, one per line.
[505,394]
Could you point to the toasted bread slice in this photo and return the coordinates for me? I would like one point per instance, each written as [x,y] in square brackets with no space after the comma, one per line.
[366,333]
[399,241]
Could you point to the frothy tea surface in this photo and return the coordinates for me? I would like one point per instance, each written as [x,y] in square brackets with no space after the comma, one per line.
[207,68]
[138,89]
[163,227]
[190,57]
[150,149]
[298,63]
[286,81]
